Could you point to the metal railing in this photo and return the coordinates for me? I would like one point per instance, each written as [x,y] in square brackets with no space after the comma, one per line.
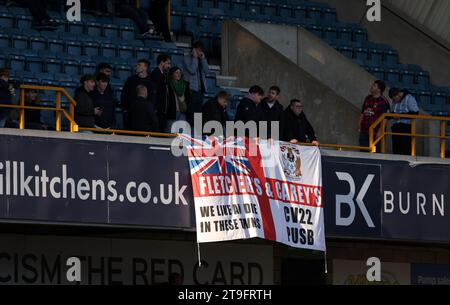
[57,109]
[381,125]
[374,139]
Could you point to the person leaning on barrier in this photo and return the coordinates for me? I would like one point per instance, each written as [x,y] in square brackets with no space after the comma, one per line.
[403,103]
[85,112]
[297,128]
[216,110]
[273,111]
[179,101]
[143,116]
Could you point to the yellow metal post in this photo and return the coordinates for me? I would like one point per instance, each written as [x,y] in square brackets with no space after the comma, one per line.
[443,123]
[383,136]
[58,110]
[373,148]
[22,110]
[413,137]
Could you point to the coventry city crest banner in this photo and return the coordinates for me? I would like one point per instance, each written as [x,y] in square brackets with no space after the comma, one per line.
[245,189]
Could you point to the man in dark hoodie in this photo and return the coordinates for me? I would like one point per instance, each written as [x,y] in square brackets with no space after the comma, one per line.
[105,100]
[7,93]
[403,103]
[273,111]
[297,128]
[85,112]
[159,77]
[143,112]
[142,77]
[216,110]
[250,108]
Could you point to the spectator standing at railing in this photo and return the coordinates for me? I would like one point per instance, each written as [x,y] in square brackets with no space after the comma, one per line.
[374,106]
[179,102]
[216,110]
[85,112]
[297,128]
[105,100]
[142,77]
[7,94]
[195,69]
[32,116]
[159,77]
[403,103]
[273,110]
[143,112]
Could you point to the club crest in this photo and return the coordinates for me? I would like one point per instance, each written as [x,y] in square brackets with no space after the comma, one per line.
[291,161]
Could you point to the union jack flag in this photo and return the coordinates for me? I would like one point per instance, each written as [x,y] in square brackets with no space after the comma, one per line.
[217,156]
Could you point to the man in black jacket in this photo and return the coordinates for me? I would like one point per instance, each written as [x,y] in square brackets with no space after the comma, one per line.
[216,110]
[143,112]
[274,112]
[142,77]
[85,112]
[250,109]
[105,100]
[7,92]
[297,128]
[159,77]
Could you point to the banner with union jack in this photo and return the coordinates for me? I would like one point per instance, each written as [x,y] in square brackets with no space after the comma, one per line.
[246,189]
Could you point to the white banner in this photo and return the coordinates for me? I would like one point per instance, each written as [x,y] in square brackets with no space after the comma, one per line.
[244,190]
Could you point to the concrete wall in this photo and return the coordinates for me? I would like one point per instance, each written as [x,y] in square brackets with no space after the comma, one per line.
[254,62]
[413,41]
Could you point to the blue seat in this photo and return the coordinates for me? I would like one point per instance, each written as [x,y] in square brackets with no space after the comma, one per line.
[376,56]
[391,57]
[6,20]
[71,66]
[345,34]
[408,78]
[254,7]
[141,52]
[330,34]
[379,73]
[125,52]
[88,67]
[3,60]
[123,71]
[224,4]
[55,45]
[439,99]
[91,48]
[361,54]
[313,13]
[127,32]
[329,15]
[286,10]
[346,51]
[38,43]
[93,29]
[53,65]
[111,31]
[423,78]
[316,30]
[393,76]
[108,50]
[19,42]
[17,62]
[425,97]
[4,40]
[269,9]
[74,48]
[237,6]
[75,27]
[360,35]
[23,21]
[34,64]
[300,12]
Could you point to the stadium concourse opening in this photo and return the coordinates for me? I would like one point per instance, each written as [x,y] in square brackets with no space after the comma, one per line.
[355,192]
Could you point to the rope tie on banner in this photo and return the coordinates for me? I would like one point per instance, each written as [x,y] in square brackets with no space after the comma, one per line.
[198,254]
[326,264]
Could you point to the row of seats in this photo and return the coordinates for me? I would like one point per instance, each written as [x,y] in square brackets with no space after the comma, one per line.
[18,18]
[303,10]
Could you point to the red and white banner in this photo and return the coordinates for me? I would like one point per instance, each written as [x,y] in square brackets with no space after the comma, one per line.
[243,189]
